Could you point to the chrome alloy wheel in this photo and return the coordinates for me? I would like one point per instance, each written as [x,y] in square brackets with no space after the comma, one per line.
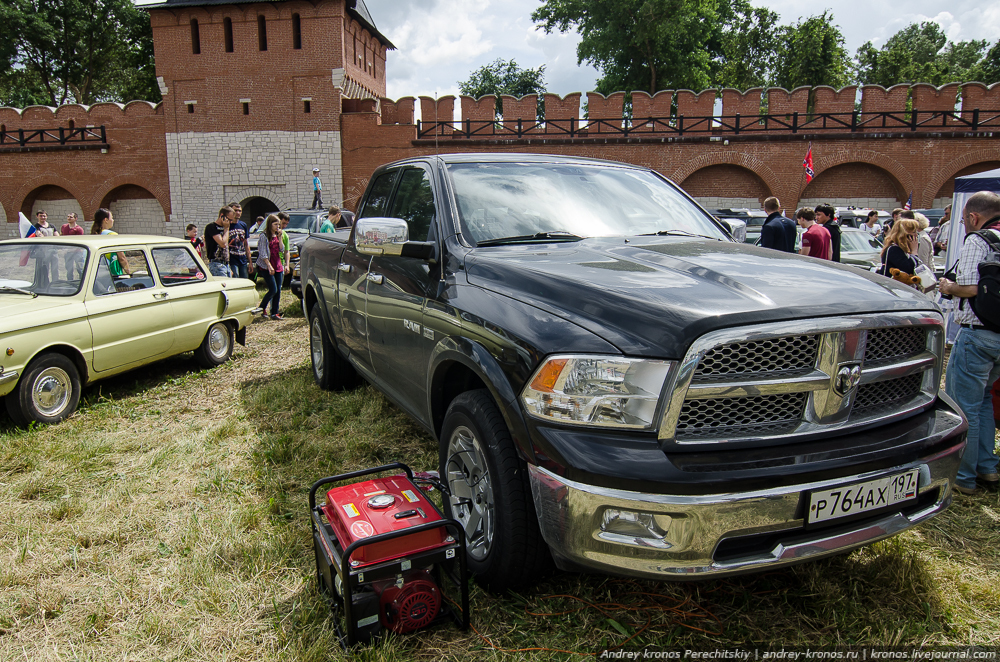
[218,342]
[471,491]
[52,391]
[316,346]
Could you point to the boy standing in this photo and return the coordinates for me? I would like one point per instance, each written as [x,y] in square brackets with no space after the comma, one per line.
[317,190]
[816,238]
[197,243]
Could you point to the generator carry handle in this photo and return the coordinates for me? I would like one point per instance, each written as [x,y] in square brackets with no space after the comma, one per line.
[355,474]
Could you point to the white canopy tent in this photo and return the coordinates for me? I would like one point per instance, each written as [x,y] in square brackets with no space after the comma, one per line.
[965,188]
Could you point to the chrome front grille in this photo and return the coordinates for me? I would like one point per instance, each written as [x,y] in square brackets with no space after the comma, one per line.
[894,343]
[787,354]
[787,379]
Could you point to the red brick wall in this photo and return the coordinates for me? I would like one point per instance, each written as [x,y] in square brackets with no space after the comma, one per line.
[871,179]
[136,157]
[728,181]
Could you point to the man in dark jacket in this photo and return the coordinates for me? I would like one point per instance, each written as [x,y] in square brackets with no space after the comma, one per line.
[777,232]
[824,216]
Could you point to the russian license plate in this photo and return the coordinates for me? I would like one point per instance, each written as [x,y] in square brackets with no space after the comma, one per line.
[850,500]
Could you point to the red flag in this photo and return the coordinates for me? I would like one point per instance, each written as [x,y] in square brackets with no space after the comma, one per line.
[807,163]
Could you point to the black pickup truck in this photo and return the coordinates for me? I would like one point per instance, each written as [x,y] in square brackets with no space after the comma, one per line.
[617,385]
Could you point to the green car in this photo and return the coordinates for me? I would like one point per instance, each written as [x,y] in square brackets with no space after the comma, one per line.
[77,309]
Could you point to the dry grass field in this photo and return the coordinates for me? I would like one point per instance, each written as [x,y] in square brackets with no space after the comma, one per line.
[167,520]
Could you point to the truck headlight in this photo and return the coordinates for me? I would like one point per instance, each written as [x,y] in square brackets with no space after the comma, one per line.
[608,391]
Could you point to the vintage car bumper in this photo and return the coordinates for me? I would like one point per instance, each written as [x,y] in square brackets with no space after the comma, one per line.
[666,536]
[7,381]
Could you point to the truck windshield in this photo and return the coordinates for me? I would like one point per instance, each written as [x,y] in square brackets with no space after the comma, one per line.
[498,200]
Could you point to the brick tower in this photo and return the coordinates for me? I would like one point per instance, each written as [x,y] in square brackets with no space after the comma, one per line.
[252,97]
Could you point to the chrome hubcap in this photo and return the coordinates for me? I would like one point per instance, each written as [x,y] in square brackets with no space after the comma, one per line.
[471,491]
[316,347]
[51,392]
[218,341]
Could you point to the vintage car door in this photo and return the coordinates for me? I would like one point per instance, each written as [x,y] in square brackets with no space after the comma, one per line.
[128,310]
[352,279]
[398,288]
[196,301]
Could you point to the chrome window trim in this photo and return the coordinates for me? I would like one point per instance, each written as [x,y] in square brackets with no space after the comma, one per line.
[843,343]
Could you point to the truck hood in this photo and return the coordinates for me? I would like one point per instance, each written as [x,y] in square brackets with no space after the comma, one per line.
[18,311]
[652,296]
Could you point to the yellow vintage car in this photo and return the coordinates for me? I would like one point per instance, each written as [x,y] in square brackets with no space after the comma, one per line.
[77,309]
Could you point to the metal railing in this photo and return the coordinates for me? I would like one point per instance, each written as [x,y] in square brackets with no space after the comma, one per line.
[680,125]
[62,136]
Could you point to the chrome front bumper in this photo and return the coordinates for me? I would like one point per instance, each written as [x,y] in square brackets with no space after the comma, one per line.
[687,537]
[8,377]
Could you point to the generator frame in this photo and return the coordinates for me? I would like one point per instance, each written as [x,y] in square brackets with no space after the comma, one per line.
[330,553]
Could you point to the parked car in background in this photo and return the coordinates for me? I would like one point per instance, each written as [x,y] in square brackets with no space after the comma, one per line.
[934,215]
[855,218]
[77,309]
[754,219]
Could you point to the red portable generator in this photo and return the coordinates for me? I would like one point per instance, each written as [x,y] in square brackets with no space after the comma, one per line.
[382,550]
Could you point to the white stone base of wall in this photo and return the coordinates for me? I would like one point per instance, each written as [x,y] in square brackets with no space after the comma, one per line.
[941,203]
[56,211]
[883,204]
[729,203]
[210,170]
[140,216]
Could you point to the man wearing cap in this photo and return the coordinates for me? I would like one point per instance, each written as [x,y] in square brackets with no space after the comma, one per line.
[317,190]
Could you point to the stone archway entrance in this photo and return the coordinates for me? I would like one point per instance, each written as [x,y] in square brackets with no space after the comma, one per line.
[256,206]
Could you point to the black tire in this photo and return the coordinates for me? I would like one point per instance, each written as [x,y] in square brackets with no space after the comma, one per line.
[48,392]
[331,371]
[490,494]
[217,346]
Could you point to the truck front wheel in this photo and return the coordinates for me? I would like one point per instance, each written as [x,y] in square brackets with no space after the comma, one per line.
[490,496]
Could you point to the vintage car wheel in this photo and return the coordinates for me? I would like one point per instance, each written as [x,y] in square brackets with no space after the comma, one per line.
[331,371]
[217,346]
[490,495]
[48,392]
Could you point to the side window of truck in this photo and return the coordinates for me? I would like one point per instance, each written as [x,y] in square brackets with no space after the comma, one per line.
[414,203]
[377,202]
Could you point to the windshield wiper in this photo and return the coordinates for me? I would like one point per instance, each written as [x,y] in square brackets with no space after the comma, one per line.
[677,233]
[18,290]
[554,235]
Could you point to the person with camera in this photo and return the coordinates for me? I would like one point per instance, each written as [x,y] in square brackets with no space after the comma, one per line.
[974,364]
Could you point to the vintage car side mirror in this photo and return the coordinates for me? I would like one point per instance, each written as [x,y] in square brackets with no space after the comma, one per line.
[379,235]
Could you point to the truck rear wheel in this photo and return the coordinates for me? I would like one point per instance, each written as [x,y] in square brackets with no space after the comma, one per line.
[331,371]
[490,495]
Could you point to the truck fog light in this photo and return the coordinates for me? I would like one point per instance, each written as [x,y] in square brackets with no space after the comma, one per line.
[627,527]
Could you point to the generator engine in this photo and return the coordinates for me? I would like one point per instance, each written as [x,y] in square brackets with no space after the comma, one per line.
[382,551]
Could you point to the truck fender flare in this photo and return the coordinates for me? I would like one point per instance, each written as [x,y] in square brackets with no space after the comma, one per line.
[480,362]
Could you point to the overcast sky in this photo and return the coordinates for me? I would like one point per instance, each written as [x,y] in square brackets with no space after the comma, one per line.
[440,42]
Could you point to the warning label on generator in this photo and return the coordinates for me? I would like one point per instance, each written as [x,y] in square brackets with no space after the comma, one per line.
[350,510]
[410,496]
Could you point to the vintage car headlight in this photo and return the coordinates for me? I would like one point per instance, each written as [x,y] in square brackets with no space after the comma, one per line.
[608,391]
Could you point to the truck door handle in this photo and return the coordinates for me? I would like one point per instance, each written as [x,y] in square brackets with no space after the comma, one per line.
[375,278]
[159,295]
[346,268]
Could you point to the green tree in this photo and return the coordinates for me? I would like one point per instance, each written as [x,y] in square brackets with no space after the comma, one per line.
[919,54]
[647,45]
[505,77]
[81,51]
[988,69]
[749,48]
[811,52]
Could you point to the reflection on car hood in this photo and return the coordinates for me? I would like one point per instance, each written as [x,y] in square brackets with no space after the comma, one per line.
[653,296]
[19,311]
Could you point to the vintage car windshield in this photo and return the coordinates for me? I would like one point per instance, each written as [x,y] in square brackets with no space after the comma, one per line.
[517,201]
[43,269]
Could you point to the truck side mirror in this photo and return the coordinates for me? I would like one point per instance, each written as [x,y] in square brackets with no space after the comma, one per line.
[390,236]
[737,228]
